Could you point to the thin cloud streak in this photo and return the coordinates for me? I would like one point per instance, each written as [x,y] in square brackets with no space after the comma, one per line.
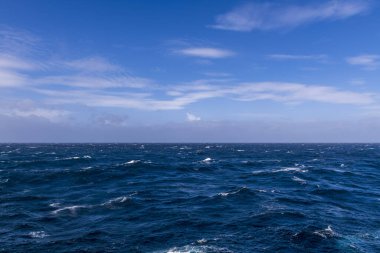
[205,52]
[288,93]
[295,57]
[93,64]
[367,61]
[269,16]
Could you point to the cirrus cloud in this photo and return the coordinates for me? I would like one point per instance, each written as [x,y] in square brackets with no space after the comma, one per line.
[269,16]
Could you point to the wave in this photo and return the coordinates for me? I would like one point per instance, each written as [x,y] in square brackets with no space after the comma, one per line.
[38,234]
[3,181]
[242,190]
[291,169]
[116,201]
[286,169]
[325,233]
[74,158]
[207,160]
[195,249]
[71,209]
[311,235]
[132,162]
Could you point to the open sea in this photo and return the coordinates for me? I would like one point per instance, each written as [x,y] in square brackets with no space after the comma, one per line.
[190,198]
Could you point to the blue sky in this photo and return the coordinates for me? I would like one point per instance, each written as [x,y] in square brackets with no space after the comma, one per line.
[190,71]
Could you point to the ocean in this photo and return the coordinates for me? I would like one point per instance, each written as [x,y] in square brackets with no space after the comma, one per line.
[190,198]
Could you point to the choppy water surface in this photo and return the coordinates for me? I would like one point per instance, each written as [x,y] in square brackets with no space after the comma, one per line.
[190,198]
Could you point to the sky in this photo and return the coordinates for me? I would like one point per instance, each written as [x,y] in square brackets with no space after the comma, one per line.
[189,71]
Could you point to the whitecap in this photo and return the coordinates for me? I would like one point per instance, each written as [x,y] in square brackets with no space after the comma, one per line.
[299,180]
[327,232]
[202,241]
[225,194]
[87,157]
[194,249]
[259,171]
[240,150]
[71,209]
[121,199]
[38,234]
[3,181]
[207,160]
[289,169]
[57,204]
[132,162]
[70,158]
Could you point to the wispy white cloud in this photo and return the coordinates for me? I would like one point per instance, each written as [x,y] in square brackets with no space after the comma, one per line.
[93,64]
[22,65]
[9,78]
[205,52]
[192,118]
[17,41]
[295,57]
[182,96]
[110,119]
[12,62]
[296,93]
[95,81]
[270,16]
[367,61]
[12,70]
[28,109]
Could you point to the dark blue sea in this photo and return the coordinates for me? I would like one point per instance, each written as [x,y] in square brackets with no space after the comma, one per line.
[190,198]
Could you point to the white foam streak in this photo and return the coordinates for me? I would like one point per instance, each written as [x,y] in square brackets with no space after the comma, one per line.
[71,209]
[194,249]
[290,169]
[299,180]
[121,199]
[287,169]
[225,194]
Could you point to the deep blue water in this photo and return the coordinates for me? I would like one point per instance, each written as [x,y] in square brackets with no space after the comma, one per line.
[190,198]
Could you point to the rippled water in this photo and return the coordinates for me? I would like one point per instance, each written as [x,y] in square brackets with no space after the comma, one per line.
[190,198]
